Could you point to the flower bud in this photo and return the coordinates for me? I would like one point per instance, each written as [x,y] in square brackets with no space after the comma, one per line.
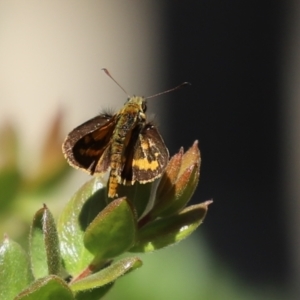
[178,183]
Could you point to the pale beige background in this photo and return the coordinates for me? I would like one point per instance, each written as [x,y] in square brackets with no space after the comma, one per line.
[52,52]
[51,55]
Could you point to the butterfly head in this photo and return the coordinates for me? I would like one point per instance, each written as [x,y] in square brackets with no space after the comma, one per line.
[138,101]
[139,105]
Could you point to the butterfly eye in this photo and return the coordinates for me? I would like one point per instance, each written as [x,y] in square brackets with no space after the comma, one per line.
[144,107]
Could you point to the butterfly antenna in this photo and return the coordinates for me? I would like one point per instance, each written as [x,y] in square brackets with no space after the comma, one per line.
[108,74]
[170,90]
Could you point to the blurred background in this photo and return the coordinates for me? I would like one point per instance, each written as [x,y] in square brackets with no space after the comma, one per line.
[242,59]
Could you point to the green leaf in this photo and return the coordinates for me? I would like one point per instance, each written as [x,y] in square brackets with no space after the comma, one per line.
[9,146]
[15,272]
[93,294]
[83,207]
[10,176]
[167,231]
[139,195]
[113,231]
[52,167]
[48,288]
[107,275]
[44,244]
[10,181]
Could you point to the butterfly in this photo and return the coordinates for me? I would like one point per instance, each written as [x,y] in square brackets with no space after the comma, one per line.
[125,144]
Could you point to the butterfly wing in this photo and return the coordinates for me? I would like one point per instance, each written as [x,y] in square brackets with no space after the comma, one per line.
[146,156]
[88,143]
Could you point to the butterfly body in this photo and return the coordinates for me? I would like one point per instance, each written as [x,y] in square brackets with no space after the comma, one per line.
[124,143]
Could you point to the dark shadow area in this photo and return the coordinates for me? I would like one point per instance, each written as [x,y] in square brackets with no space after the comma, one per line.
[230,52]
[92,207]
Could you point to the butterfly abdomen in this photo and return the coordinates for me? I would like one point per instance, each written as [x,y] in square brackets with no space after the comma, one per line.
[128,119]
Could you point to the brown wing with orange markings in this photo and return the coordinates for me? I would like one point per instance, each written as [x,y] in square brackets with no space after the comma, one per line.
[146,156]
[87,144]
